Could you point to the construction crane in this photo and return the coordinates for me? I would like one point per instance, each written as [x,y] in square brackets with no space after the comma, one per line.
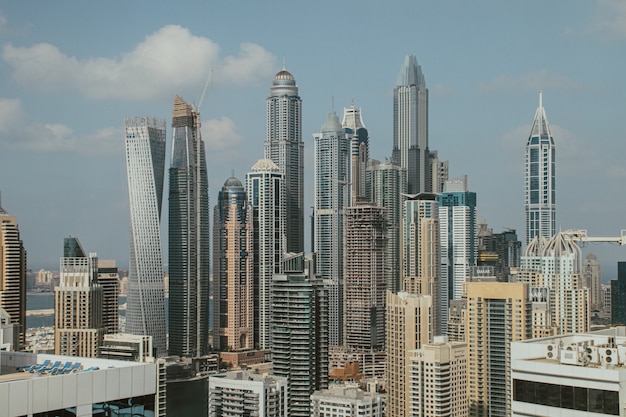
[582,237]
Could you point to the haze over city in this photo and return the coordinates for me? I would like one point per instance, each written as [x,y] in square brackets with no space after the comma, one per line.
[71,72]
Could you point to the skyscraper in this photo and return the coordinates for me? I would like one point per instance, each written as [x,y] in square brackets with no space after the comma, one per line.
[364,281]
[78,303]
[189,236]
[332,195]
[233,300]
[592,279]
[13,273]
[109,280]
[410,126]
[540,188]
[266,194]
[618,295]
[359,151]
[284,146]
[145,164]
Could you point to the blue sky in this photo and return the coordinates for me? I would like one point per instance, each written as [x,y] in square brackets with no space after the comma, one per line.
[71,71]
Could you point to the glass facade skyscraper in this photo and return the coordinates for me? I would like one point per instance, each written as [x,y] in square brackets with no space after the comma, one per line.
[145,163]
[189,236]
[540,187]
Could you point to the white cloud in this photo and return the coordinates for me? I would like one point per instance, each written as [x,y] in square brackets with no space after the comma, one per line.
[220,134]
[610,19]
[531,81]
[3,23]
[18,131]
[164,63]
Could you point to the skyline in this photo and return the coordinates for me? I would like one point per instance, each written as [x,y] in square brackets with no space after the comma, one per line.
[64,98]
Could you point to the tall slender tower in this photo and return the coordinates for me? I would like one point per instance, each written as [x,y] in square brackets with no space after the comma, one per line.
[332,195]
[359,151]
[233,302]
[145,164]
[13,273]
[410,126]
[540,187]
[189,236]
[284,146]
[265,188]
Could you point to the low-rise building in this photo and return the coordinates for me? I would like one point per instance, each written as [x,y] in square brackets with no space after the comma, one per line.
[347,401]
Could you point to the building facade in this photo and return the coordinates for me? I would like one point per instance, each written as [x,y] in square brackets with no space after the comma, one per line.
[332,195]
[540,184]
[145,164]
[109,280]
[347,401]
[592,279]
[13,273]
[189,235]
[284,146]
[233,280]
[264,185]
[359,151]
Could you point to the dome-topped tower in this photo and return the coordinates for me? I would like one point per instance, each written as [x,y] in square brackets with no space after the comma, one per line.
[284,84]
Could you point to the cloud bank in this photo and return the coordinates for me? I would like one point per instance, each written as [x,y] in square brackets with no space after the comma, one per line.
[168,60]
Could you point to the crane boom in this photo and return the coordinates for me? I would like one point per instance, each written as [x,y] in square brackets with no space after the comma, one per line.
[582,237]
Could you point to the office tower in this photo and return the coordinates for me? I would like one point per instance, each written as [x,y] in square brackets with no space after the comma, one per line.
[556,265]
[592,279]
[421,253]
[145,163]
[498,313]
[300,331]
[332,194]
[233,297]
[234,394]
[410,126]
[265,188]
[13,274]
[284,146]
[78,303]
[578,374]
[439,172]
[189,236]
[540,188]
[606,299]
[109,280]
[384,184]
[364,280]
[359,151]
[408,327]
[459,249]
[618,296]
[439,379]
[347,401]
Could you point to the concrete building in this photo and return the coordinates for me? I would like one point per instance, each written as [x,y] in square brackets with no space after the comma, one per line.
[456,320]
[580,374]
[265,189]
[78,303]
[498,313]
[13,273]
[409,327]
[233,279]
[592,279]
[245,393]
[145,164]
[359,152]
[438,379]
[606,299]
[30,385]
[347,401]
[364,279]
[126,346]
[618,296]
[109,280]
[371,363]
[284,146]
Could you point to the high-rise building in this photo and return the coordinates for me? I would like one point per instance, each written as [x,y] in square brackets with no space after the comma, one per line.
[410,126]
[459,249]
[78,303]
[189,236]
[421,252]
[498,313]
[384,184]
[540,188]
[606,298]
[233,298]
[364,281]
[618,296]
[264,185]
[109,280]
[439,379]
[592,279]
[347,401]
[332,195]
[284,146]
[359,151]
[13,274]
[408,327]
[300,331]
[145,163]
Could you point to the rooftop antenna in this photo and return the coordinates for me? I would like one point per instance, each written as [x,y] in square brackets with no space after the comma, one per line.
[540,99]
[232,173]
[284,67]
[333,104]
